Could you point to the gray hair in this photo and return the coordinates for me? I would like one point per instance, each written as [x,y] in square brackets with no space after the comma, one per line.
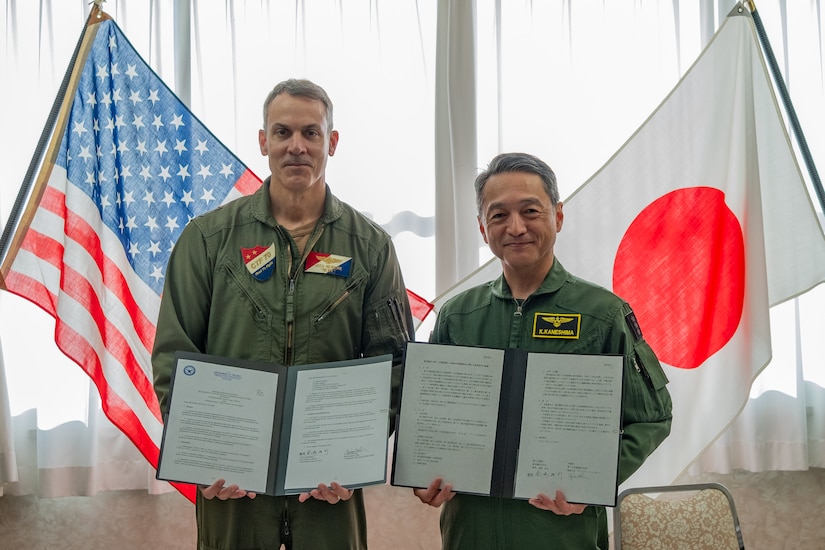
[301,88]
[518,162]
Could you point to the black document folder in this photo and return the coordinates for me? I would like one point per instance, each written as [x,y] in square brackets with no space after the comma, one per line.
[276,430]
[510,423]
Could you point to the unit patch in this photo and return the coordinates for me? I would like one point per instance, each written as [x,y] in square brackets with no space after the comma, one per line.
[557,325]
[259,261]
[634,325]
[328,264]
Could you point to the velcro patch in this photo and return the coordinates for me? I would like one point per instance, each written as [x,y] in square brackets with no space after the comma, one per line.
[557,325]
[259,261]
[328,264]
[633,323]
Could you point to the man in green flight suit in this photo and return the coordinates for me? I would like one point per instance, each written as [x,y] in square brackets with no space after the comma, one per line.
[289,275]
[519,215]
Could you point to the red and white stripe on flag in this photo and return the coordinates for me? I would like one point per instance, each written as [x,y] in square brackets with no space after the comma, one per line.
[419,307]
[127,166]
[702,222]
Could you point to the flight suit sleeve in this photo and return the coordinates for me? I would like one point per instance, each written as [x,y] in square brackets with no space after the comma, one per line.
[388,322]
[184,308]
[646,404]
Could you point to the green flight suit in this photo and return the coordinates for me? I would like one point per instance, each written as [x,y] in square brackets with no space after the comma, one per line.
[213,304]
[489,316]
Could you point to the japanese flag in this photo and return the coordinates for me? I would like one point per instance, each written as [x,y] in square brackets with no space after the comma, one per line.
[702,222]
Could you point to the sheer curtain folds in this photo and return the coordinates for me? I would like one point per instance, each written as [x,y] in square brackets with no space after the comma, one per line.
[425,94]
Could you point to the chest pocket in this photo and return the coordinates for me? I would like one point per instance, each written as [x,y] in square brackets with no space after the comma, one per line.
[331,319]
[339,300]
[240,317]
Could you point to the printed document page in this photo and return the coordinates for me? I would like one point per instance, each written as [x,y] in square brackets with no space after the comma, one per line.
[340,426]
[220,425]
[570,429]
[450,411]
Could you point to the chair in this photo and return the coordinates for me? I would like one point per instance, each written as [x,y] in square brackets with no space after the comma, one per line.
[682,517]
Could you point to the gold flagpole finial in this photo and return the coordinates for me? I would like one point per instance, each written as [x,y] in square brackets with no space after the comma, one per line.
[97,12]
[751,5]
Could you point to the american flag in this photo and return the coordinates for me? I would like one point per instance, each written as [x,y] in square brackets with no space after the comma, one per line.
[127,166]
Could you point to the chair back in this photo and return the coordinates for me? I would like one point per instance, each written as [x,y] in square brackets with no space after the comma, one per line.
[678,517]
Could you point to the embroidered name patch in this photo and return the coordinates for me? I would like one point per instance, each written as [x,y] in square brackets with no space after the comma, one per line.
[328,264]
[557,325]
[259,261]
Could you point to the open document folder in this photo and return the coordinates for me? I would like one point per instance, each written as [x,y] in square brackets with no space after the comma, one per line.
[277,430]
[509,423]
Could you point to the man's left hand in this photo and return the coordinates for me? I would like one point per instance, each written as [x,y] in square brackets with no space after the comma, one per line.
[559,506]
[333,493]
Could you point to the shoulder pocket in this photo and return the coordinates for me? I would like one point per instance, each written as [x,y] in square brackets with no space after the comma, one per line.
[648,365]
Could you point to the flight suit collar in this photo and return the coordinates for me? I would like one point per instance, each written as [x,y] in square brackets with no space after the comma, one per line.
[552,282]
[333,209]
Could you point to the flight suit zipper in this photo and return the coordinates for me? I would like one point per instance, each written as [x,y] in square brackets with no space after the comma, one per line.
[290,297]
[640,368]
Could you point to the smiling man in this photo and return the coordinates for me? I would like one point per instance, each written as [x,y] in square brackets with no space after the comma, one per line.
[519,216]
[288,275]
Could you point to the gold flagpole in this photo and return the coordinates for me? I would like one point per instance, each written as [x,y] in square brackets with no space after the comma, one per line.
[28,198]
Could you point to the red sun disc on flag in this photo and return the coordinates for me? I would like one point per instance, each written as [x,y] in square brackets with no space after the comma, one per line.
[681,266]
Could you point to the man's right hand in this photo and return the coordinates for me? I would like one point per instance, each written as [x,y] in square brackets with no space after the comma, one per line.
[223,493]
[435,495]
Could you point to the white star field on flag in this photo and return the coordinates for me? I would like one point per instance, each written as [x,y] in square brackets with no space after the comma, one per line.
[142,157]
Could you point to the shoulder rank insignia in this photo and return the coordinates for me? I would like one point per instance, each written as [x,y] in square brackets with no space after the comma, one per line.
[328,264]
[259,261]
[557,325]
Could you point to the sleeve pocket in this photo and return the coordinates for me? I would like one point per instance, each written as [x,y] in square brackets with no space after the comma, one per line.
[649,365]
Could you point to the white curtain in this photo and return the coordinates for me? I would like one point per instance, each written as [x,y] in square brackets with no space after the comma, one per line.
[425,93]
